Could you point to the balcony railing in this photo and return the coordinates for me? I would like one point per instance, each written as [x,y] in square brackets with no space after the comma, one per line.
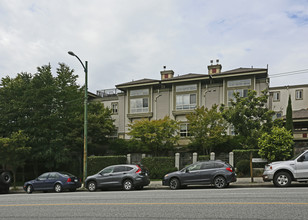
[108,92]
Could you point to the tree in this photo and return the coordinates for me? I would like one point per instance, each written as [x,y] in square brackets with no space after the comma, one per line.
[14,151]
[289,119]
[157,136]
[249,117]
[49,110]
[207,128]
[276,144]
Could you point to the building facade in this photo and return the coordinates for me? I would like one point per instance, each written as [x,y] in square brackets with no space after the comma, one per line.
[176,96]
[278,102]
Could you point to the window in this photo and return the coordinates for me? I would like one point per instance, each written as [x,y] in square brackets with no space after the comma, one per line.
[53,176]
[119,169]
[299,94]
[114,108]
[139,92]
[107,170]
[43,176]
[242,93]
[186,88]
[186,101]
[208,165]
[139,105]
[184,130]
[194,167]
[238,83]
[276,96]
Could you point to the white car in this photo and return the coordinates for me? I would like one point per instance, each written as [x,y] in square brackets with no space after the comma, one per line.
[282,173]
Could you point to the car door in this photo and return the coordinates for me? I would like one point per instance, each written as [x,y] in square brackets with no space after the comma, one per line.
[104,178]
[191,174]
[40,182]
[50,181]
[117,175]
[302,167]
[206,172]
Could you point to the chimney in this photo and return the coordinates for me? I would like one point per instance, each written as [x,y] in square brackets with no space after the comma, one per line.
[214,69]
[166,74]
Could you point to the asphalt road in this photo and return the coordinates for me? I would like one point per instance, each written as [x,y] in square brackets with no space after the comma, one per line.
[191,203]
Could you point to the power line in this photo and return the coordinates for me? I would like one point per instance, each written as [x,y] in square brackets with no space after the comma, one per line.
[289,73]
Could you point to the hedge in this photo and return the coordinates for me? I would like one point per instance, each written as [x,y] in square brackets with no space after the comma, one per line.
[203,157]
[158,166]
[97,163]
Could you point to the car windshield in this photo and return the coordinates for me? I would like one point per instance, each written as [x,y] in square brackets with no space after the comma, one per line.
[293,158]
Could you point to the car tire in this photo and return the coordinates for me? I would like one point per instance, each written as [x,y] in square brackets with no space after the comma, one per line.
[29,189]
[58,188]
[5,178]
[220,182]
[282,179]
[128,184]
[92,186]
[174,183]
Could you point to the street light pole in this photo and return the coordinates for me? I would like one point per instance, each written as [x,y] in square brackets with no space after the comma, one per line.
[85,130]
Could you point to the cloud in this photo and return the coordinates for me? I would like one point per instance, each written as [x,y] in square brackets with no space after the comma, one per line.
[126,40]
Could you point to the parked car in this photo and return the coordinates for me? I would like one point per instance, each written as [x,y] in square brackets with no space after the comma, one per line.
[217,172]
[53,181]
[5,181]
[126,176]
[282,173]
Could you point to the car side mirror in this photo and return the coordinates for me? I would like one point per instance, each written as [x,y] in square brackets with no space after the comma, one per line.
[301,159]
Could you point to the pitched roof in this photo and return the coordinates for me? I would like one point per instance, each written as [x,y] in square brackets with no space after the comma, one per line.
[242,70]
[136,82]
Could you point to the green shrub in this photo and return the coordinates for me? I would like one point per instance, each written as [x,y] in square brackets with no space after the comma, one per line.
[203,157]
[97,163]
[243,167]
[158,166]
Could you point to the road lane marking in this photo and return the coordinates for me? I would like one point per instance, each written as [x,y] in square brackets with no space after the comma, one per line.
[162,203]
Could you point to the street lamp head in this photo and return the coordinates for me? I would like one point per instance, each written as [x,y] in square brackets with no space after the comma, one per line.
[71,53]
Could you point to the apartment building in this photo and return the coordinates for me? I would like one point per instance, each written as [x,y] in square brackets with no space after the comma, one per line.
[176,96]
[278,102]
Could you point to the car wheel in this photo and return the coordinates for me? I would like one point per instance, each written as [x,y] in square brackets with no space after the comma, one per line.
[220,182]
[92,186]
[174,183]
[29,189]
[58,188]
[5,178]
[282,179]
[127,184]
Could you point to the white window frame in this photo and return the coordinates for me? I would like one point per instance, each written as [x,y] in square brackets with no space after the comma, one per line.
[114,108]
[299,94]
[184,130]
[181,101]
[230,94]
[276,96]
[138,105]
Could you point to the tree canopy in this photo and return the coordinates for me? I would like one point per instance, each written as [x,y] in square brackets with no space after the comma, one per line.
[207,128]
[49,111]
[157,136]
[249,117]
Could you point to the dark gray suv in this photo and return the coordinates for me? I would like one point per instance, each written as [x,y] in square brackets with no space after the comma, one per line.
[126,176]
[217,172]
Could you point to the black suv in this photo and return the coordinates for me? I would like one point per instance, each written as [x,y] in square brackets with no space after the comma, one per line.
[5,181]
[217,172]
[126,176]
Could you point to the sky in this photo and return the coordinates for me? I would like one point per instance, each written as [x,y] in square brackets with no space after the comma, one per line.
[125,40]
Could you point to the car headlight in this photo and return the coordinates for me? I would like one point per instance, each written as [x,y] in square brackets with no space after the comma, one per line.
[166,175]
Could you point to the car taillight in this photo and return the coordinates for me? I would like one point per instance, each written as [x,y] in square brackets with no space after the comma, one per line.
[229,169]
[139,169]
[69,180]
